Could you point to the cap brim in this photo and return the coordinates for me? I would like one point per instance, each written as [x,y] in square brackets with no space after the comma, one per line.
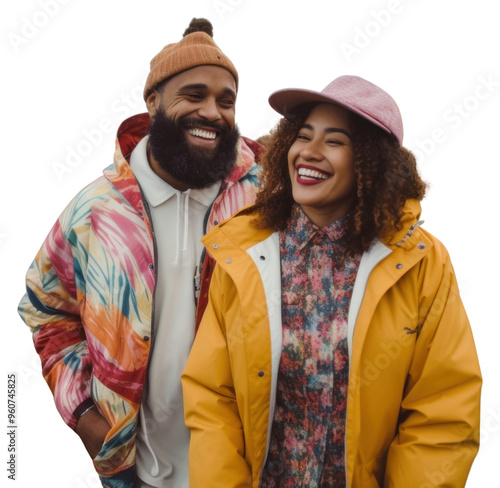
[285,102]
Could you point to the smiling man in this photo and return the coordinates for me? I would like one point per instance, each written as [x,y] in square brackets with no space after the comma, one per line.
[114,292]
[192,135]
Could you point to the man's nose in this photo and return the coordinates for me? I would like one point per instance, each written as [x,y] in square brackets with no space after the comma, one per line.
[210,110]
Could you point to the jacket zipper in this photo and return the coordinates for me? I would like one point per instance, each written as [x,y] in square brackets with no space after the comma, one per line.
[155,260]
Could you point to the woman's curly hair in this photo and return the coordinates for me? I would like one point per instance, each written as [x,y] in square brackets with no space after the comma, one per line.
[386,176]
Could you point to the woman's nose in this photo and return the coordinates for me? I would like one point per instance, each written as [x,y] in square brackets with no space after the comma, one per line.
[311,152]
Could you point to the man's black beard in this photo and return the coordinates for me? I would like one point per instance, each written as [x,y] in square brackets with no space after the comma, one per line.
[195,166]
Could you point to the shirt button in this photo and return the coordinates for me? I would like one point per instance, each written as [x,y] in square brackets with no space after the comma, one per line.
[151,265]
[141,214]
[215,246]
[421,245]
[263,258]
[261,373]
[215,222]
[229,260]
[146,338]
[399,265]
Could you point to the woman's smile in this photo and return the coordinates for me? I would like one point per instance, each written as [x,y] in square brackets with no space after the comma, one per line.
[309,175]
[321,165]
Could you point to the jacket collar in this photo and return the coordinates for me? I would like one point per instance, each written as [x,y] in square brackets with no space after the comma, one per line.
[130,133]
[238,230]
[407,237]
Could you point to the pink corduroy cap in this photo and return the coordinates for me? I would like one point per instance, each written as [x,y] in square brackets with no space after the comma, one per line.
[351,92]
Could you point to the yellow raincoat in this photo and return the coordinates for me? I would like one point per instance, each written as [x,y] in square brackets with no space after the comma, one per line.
[414,381]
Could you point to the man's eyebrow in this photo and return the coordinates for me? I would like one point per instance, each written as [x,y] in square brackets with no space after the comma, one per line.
[194,86]
[230,92]
[202,86]
[329,130]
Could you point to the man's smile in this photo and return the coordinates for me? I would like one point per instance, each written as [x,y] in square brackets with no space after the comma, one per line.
[202,133]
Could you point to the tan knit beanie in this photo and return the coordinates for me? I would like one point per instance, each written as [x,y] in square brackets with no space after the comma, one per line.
[195,49]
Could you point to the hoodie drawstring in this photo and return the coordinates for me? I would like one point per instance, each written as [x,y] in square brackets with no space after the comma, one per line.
[178,251]
[186,219]
[155,469]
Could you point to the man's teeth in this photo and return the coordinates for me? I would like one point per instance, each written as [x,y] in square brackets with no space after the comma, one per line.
[311,173]
[202,133]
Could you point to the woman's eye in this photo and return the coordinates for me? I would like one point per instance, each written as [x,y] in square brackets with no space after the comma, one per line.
[302,137]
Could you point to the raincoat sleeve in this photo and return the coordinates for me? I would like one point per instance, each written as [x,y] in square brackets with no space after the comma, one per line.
[216,453]
[50,308]
[438,435]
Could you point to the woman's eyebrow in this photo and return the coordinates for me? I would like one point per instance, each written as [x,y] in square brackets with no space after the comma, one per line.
[328,130]
[338,129]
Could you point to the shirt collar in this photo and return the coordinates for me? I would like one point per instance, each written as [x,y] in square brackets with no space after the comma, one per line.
[156,190]
[303,230]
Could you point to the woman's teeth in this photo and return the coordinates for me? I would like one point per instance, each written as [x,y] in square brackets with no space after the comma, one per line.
[311,173]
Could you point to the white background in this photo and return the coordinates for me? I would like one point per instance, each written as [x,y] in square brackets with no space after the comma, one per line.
[72,70]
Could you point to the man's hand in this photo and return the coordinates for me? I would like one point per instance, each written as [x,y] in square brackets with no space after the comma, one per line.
[92,429]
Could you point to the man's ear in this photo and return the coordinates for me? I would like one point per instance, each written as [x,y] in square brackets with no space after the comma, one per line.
[153,102]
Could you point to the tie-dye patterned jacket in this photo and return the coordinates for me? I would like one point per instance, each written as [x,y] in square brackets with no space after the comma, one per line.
[90,293]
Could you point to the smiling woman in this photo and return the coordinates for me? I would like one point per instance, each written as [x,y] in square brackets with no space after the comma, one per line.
[353,132]
[335,349]
[321,165]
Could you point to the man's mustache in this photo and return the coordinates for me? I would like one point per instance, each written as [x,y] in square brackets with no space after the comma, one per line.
[203,124]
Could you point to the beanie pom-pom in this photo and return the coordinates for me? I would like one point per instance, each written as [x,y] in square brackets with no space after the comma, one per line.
[199,25]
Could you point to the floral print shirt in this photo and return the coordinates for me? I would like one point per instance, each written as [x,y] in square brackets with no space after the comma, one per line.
[307,439]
